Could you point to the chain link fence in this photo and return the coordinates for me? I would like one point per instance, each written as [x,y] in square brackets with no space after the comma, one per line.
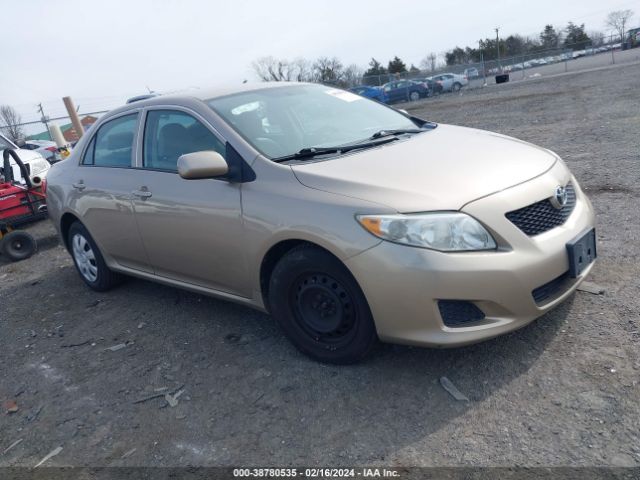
[519,67]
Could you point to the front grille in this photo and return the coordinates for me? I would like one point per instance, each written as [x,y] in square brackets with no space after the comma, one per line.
[550,289]
[455,313]
[542,216]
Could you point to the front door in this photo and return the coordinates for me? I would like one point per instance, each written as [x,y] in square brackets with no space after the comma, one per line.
[191,229]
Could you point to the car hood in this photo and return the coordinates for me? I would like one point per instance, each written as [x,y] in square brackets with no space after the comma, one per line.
[25,155]
[442,169]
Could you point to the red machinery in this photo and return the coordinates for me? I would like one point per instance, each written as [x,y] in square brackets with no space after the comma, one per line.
[19,204]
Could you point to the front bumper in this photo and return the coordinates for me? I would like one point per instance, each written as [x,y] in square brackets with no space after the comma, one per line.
[403,284]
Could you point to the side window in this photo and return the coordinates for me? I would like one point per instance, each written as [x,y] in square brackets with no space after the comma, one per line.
[114,142]
[88,154]
[171,133]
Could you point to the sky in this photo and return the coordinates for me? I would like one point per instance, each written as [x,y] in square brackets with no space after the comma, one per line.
[102,52]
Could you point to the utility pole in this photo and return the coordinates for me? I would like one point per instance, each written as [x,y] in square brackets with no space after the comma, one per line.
[484,70]
[44,119]
[73,115]
[497,29]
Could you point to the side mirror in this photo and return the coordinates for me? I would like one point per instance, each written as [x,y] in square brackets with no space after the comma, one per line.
[207,164]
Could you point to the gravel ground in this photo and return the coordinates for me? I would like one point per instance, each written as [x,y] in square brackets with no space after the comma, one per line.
[562,391]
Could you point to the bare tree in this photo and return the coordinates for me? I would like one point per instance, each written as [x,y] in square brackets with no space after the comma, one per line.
[597,38]
[271,69]
[618,21]
[430,62]
[10,123]
[352,76]
[327,70]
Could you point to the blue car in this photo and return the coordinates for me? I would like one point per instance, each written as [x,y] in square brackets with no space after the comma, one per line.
[367,91]
[404,91]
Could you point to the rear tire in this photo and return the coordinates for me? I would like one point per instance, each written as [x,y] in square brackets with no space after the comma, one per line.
[18,245]
[320,307]
[456,87]
[89,261]
[414,96]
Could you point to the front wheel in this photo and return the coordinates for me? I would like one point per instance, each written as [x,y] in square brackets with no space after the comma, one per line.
[320,306]
[89,261]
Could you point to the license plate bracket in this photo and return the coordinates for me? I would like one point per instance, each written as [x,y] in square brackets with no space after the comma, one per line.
[582,251]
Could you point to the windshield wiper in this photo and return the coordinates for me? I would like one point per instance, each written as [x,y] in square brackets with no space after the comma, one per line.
[314,151]
[398,131]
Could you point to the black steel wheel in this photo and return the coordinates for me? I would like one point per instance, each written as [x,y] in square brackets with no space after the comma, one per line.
[320,306]
[18,245]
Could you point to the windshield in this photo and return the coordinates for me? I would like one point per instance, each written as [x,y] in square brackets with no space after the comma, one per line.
[283,120]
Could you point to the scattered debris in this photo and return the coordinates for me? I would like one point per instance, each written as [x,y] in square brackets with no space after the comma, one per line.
[591,287]
[172,400]
[141,325]
[10,406]
[238,339]
[115,348]
[160,389]
[93,304]
[34,415]
[17,442]
[453,391]
[51,454]
[158,395]
[232,338]
[129,453]
[71,345]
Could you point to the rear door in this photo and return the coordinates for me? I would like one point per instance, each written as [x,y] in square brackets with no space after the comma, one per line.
[103,185]
[191,229]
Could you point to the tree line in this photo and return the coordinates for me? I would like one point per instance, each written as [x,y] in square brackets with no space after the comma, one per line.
[330,70]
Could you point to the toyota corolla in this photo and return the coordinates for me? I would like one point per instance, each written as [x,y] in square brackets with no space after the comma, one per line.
[346,220]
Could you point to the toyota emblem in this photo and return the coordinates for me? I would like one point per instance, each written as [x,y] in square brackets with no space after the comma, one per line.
[559,199]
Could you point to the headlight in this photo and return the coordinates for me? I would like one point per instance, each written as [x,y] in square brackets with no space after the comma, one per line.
[38,166]
[444,231]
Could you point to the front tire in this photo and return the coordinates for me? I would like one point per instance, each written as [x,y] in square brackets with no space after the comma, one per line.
[89,261]
[320,307]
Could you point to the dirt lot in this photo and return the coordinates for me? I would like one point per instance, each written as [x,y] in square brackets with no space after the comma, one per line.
[562,391]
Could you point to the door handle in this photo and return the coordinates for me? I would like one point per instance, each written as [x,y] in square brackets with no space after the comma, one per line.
[79,186]
[141,193]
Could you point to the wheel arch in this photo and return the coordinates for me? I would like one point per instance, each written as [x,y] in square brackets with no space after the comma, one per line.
[66,220]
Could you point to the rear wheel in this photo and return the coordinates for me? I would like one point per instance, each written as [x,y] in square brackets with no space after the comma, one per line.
[18,245]
[89,261]
[456,87]
[320,306]
[414,96]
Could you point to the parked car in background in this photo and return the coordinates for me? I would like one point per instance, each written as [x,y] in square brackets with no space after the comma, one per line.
[472,73]
[46,148]
[369,91]
[38,166]
[451,82]
[434,87]
[404,91]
